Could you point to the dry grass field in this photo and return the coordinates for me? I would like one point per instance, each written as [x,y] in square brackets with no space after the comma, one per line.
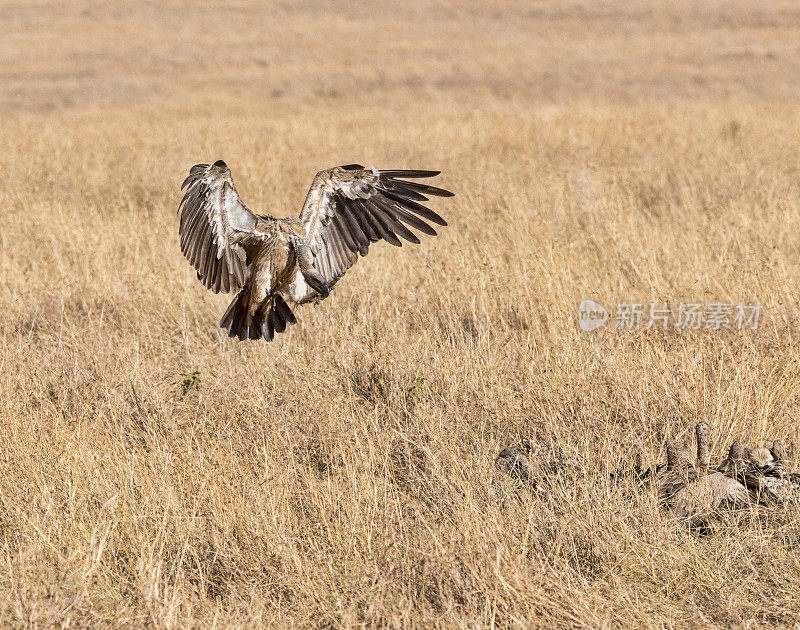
[343,476]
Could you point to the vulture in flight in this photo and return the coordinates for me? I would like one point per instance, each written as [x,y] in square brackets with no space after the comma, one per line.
[274,263]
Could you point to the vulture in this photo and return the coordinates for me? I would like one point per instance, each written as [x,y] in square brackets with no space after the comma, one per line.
[273,264]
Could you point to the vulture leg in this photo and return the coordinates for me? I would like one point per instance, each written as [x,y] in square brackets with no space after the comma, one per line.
[312,277]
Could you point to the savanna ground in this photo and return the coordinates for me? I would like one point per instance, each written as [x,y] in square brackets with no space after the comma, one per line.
[343,475]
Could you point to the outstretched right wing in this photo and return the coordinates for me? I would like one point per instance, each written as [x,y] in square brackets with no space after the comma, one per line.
[214,227]
[349,207]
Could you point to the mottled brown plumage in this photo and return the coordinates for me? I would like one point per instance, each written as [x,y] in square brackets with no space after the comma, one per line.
[693,493]
[276,262]
[703,452]
[734,463]
[779,456]
[512,461]
[535,463]
[762,471]
[696,501]
[746,475]
[678,472]
[761,460]
[762,474]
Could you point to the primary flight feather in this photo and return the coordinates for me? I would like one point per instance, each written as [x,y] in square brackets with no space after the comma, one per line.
[273,263]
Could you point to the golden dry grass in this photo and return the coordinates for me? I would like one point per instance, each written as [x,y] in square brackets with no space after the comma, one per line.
[343,475]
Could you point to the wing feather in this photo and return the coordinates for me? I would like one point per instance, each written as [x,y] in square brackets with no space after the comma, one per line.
[339,253]
[377,227]
[386,223]
[414,221]
[333,253]
[417,208]
[365,223]
[196,245]
[349,207]
[214,227]
[355,229]
[424,189]
[344,231]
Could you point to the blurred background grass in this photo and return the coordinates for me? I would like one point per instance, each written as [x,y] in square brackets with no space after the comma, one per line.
[343,475]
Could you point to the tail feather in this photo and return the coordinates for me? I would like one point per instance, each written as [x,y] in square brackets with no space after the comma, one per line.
[254,331]
[281,313]
[269,320]
[277,323]
[284,311]
[235,318]
[266,329]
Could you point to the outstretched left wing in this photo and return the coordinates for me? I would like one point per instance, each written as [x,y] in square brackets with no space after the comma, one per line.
[214,227]
[349,207]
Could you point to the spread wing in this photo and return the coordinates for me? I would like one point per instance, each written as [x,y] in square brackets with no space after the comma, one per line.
[349,207]
[215,226]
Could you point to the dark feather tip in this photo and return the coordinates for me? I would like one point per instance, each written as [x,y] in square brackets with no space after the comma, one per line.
[409,173]
[220,164]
